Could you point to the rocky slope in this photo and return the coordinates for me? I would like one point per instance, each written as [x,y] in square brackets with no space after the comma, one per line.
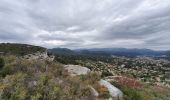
[114,92]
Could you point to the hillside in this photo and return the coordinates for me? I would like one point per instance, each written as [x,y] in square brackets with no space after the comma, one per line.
[22,79]
[80,75]
[20,49]
[139,78]
[37,79]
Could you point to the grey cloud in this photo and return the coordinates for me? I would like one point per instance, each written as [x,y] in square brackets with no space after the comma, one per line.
[86,23]
[140,25]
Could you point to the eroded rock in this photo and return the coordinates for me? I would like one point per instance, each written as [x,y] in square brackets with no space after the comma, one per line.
[74,70]
[113,91]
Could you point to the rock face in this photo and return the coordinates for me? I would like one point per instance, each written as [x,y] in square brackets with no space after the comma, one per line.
[114,92]
[76,70]
[37,55]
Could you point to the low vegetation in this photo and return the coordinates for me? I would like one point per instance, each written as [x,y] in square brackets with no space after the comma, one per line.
[143,78]
[2,63]
[19,49]
[146,92]
[36,80]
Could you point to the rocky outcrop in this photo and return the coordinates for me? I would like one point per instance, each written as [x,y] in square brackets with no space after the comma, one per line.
[37,55]
[113,91]
[74,70]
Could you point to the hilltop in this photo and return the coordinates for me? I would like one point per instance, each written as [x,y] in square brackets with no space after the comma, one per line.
[20,49]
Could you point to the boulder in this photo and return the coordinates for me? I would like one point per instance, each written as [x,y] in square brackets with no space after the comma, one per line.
[74,70]
[113,91]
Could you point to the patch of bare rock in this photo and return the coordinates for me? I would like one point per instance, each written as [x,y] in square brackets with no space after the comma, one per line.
[74,70]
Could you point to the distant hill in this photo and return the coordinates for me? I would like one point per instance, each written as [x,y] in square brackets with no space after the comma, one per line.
[112,51]
[133,52]
[61,51]
[94,53]
[65,51]
[20,49]
[127,52]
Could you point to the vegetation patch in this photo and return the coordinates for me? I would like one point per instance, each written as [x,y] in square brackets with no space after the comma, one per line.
[19,49]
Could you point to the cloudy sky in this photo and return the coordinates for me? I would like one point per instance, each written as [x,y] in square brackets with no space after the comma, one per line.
[86,23]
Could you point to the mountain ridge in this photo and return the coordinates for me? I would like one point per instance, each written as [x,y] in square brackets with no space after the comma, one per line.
[134,52]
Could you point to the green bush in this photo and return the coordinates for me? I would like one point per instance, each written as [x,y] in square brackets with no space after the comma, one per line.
[2,63]
[93,77]
[5,71]
[14,87]
[106,73]
[83,77]
[131,94]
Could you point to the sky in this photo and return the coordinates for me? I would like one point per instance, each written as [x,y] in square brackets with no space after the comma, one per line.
[86,23]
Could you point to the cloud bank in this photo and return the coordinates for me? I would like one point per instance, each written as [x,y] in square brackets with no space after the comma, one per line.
[86,23]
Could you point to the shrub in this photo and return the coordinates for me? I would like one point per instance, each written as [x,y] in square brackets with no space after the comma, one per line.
[14,87]
[93,77]
[2,63]
[131,94]
[103,91]
[83,77]
[127,81]
[106,73]
[5,71]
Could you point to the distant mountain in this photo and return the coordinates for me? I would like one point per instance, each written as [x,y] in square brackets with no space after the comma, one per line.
[94,53]
[20,49]
[113,51]
[165,53]
[133,52]
[85,52]
[61,51]
[127,52]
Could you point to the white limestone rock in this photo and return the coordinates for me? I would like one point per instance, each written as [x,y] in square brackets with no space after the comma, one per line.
[37,55]
[113,91]
[76,70]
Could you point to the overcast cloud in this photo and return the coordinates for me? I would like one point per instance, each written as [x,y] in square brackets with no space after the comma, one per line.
[86,23]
